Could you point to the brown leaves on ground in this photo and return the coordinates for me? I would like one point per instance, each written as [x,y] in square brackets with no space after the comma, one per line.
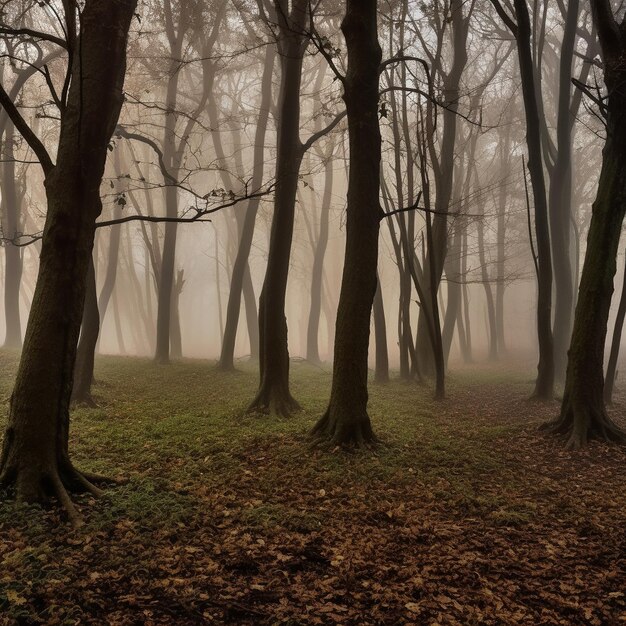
[473,518]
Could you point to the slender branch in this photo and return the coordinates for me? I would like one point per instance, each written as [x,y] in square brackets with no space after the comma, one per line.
[506,18]
[196,217]
[324,131]
[26,131]
[35,34]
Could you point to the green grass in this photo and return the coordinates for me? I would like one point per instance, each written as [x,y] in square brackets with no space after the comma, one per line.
[167,428]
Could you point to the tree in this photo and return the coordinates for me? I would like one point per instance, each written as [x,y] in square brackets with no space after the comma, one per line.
[544,385]
[273,394]
[240,266]
[583,412]
[346,421]
[35,456]
[442,166]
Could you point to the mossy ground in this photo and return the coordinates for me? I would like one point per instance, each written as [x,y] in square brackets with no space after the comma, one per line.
[463,514]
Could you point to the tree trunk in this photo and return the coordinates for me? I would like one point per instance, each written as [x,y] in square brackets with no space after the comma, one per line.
[465,309]
[312,336]
[113,253]
[544,385]
[176,338]
[381,373]
[273,394]
[12,253]
[241,267]
[346,421]
[168,261]
[560,200]
[611,369]
[85,356]
[443,168]
[35,457]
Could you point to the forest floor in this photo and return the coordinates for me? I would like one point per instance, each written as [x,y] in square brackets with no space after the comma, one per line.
[465,514]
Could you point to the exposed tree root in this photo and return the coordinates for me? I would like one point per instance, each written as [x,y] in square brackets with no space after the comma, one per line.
[578,426]
[38,483]
[350,433]
[274,401]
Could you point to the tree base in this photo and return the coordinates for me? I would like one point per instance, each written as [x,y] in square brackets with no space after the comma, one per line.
[274,401]
[86,400]
[579,425]
[352,433]
[34,482]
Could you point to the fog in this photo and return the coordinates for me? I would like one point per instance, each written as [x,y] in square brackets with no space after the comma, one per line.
[198,83]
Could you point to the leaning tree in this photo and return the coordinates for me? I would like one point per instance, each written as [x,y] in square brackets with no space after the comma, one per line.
[346,421]
[583,412]
[35,457]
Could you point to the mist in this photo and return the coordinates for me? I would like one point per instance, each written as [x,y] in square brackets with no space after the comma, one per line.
[381,237]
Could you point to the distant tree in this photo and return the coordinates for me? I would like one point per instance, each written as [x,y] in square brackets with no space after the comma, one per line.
[583,412]
[346,421]
[35,457]
[241,266]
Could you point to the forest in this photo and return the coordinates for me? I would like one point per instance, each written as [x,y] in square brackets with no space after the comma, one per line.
[312,312]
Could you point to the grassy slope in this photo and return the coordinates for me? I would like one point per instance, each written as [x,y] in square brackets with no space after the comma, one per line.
[464,515]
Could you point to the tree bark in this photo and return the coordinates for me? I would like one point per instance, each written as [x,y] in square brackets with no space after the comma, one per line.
[35,456]
[346,421]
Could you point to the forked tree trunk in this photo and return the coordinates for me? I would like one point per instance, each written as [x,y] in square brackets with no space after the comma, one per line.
[346,421]
[583,413]
[35,457]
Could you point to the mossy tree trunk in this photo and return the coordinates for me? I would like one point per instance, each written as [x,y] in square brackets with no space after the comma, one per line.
[583,413]
[346,421]
[35,458]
